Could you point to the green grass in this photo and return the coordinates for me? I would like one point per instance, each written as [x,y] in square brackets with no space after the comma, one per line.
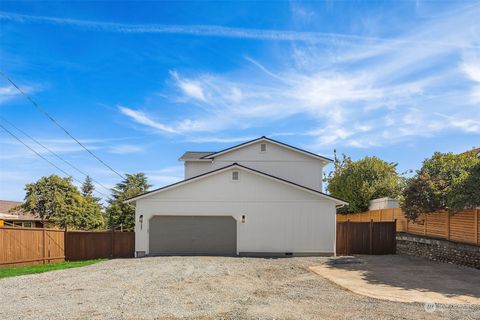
[19,271]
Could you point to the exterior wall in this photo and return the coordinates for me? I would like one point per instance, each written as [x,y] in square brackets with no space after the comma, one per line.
[383,203]
[439,250]
[278,161]
[278,217]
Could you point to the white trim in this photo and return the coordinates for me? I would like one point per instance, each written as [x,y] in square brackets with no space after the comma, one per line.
[318,157]
[178,184]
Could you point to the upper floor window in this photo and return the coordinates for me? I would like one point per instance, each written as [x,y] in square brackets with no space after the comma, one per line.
[263,147]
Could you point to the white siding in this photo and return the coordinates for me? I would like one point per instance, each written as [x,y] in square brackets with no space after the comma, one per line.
[278,161]
[279,218]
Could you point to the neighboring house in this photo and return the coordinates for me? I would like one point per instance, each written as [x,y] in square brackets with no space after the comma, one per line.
[258,198]
[383,203]
[474,152]
[17,217]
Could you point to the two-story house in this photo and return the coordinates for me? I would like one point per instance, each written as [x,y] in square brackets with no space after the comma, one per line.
[262,197]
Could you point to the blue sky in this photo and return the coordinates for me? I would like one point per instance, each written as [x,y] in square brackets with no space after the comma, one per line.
[139,83]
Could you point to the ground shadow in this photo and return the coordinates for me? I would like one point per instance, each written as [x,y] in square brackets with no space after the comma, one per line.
[406,272]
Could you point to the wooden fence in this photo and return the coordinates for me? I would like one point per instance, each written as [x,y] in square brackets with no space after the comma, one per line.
[29,246]
[462,227]
[366,238]
[84,245]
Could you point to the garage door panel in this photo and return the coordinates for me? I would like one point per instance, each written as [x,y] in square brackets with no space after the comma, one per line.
[210,235]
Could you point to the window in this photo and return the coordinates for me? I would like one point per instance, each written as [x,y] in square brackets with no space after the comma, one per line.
[263,147]
[235,176]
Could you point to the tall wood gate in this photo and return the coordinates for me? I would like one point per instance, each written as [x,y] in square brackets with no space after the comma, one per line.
[366,238]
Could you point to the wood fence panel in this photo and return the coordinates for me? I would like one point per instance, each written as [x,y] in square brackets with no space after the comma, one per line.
[462,227]
[366,238]
[30,246]
[124,244]
[384,238]
[85,245]
[437,225]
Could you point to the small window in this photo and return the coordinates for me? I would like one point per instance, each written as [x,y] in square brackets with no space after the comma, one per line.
[263,147]
[235,176]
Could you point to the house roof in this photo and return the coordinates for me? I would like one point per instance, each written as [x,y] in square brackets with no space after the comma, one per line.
[236,165]
[308,153]
[6,206]
[195,155]
[474,152]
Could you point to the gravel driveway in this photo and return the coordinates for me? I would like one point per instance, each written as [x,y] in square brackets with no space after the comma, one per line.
[199,288]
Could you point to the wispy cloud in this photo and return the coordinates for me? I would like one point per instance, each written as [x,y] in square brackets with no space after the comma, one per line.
[215,31]
[144,119]
[366,95]
[126,149]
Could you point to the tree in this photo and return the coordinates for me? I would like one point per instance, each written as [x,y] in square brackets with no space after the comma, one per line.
[446,181]
[358,182]
[92,216]
[87,187]
[122,214]
[54,199]
[58,201]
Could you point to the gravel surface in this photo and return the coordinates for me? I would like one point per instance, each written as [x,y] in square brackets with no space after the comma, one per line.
[200,288]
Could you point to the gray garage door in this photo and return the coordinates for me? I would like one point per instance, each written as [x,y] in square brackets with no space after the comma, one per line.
[193,235]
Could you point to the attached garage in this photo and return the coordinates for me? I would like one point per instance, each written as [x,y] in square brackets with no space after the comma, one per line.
[235,210]
[192,235]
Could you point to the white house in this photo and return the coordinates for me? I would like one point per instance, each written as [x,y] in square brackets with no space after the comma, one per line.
[262,197]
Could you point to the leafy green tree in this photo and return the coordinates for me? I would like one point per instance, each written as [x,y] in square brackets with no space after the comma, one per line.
[54,199]
[122,214]
[360,181]
[58,201]
[92,216]
[446,181]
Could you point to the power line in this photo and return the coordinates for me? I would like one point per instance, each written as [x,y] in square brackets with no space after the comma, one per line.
[58,124]
[38,154]
[53,153]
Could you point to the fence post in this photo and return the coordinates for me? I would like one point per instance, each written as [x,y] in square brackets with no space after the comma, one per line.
[395,237]
[448,226]
[476,226]
[425,224]
[371,236]
[65,235]
[44,245]
[347,238]
[112,255]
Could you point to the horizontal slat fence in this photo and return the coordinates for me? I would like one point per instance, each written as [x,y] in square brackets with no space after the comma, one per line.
[462,227]
[30,246]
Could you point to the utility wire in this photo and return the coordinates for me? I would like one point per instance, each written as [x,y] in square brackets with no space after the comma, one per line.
[53,153]
[58,124]
[50,162]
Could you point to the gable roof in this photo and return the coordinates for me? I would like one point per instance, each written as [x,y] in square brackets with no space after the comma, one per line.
[195,155]
[338,201]
[6,206]
[308,153]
